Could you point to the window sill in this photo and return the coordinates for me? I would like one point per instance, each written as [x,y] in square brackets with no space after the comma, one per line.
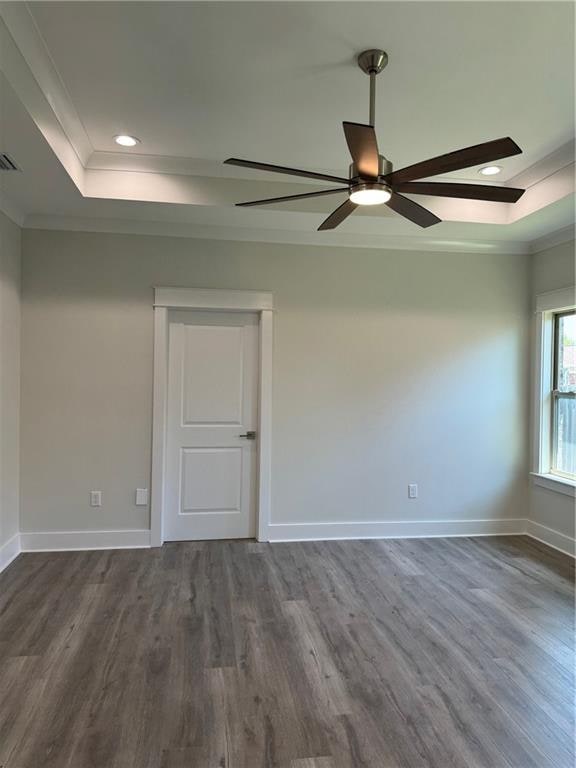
[555,483]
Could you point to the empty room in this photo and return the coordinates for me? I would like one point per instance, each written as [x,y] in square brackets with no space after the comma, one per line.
[287,384]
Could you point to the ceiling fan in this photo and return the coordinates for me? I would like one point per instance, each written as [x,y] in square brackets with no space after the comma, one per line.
[373,182]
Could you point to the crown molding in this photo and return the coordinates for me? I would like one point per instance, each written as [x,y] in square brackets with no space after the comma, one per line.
[139,162]
[35,102]
[277,236]
[547,166]
[136,162]
[203,191]
[11,211]
[194,166]
[24,31]
[559,237]
[543,193]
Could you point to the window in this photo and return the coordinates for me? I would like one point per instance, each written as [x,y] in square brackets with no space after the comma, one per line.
[563,432]
[554,445]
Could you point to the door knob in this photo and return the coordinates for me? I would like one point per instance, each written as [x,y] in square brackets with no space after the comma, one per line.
[249,435]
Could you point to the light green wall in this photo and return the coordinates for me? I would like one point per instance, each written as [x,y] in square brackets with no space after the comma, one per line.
[9,377]
[552,269]
[390,367]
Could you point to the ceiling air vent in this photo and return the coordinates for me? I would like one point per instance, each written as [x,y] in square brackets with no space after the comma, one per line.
[6,163]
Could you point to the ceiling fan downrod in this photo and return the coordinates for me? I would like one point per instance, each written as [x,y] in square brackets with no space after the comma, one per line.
[372,62]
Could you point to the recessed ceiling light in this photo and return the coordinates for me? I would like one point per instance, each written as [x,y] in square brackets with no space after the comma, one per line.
[126,141]
[490,170]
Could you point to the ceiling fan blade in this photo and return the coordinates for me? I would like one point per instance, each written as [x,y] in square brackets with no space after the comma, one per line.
[464,191]
[361,140]
[283,169]
[337,191]
[455,161]
[411,210]
[338,216]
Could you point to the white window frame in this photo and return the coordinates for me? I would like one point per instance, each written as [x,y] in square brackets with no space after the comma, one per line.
[547,305]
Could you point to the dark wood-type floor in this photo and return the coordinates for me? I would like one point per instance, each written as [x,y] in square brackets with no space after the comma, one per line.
[452,653]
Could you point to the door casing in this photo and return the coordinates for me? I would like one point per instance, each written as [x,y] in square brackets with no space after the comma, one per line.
[208,299]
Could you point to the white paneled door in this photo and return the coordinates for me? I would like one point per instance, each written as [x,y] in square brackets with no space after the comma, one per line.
[211,426]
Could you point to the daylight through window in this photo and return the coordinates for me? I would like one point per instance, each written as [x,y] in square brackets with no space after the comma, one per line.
[564,395]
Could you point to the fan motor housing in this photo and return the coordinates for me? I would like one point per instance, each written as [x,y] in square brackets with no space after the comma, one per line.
[384,168]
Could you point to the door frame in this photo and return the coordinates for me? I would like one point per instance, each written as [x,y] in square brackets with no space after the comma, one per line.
[209,299]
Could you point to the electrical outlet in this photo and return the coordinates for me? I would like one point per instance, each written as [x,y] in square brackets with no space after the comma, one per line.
[95,498]
[141,497]
[413,491]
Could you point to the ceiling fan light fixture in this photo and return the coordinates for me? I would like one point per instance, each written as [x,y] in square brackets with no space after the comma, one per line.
[490,170]
[370,194]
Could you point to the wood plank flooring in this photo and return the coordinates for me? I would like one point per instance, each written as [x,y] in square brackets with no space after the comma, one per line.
[440,653]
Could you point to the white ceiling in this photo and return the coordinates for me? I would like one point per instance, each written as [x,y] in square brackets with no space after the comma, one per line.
[199,82]
[276,80]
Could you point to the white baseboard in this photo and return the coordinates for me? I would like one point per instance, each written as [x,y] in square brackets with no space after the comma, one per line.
[9,551]
[394,530]
[551,537]
[56,541]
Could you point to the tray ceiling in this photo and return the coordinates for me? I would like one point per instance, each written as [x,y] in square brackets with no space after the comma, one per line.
[198,82]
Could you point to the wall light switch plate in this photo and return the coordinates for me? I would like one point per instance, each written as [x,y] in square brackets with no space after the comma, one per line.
[413,491]
[95,498]
[141,497]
